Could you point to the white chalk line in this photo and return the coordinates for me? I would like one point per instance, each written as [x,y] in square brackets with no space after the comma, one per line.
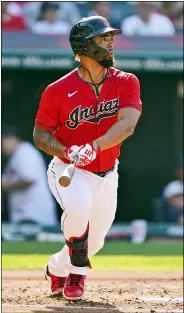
[164,299]
[41,306]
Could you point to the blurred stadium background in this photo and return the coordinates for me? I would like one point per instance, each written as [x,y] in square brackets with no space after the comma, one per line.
[34,55]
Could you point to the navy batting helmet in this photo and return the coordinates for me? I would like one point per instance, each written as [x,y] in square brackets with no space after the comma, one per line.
[81,38]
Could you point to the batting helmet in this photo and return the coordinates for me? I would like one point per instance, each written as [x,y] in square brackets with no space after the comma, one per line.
[81,38]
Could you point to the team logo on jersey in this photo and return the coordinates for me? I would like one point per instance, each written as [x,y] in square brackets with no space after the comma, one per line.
[104,110]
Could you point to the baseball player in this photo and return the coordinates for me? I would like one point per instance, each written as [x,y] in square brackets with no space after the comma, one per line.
[85,116]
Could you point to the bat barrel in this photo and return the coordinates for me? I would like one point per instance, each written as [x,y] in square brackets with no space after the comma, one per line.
[67,175]
[64,181]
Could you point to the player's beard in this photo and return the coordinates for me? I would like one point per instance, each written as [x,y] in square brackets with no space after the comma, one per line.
[108,62]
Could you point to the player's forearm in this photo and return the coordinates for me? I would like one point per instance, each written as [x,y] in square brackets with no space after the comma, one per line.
[47,143]
[116,134]
[52,146]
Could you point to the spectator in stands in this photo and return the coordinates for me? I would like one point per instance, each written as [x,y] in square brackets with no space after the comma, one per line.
[174,10]
[103,8]
[48,22]
[147,22]
[173,196]
[14,8]
[11,22]
[68,12]
[25,182]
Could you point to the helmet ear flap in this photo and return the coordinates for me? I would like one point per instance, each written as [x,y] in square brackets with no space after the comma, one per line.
[86,46]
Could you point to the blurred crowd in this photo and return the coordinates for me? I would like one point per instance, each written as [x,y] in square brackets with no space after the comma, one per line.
[169,205]
[24,182]
[134,18]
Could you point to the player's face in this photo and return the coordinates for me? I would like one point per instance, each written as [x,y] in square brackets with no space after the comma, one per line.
[50,15]
[106,41]
[7,145]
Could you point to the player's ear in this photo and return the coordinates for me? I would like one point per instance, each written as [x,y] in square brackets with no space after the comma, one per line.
[77,57]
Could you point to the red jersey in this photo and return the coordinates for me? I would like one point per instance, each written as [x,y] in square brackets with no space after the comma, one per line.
[70,107]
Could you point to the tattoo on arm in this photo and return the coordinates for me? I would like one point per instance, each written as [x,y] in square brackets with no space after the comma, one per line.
[44,140]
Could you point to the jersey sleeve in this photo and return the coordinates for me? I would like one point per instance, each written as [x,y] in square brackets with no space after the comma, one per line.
[49,111]
[130,94]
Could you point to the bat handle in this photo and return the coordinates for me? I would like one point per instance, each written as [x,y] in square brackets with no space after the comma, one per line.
[74,162]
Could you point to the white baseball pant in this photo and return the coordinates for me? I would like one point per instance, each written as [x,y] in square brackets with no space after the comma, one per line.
[89,198]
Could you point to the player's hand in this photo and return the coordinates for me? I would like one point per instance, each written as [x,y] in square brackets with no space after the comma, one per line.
[88,153]
[72,153]
[84,154]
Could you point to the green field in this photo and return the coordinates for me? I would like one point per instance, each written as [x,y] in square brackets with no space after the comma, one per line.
[116,255]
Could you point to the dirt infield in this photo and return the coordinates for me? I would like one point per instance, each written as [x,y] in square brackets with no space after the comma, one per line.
[27,291]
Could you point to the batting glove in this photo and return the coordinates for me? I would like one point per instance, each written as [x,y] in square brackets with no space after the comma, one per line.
[72,153]
[88,153]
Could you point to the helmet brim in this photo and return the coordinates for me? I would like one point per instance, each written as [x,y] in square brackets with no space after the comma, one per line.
[114,31]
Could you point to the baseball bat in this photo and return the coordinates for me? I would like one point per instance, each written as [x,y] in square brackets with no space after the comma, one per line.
[67,175]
